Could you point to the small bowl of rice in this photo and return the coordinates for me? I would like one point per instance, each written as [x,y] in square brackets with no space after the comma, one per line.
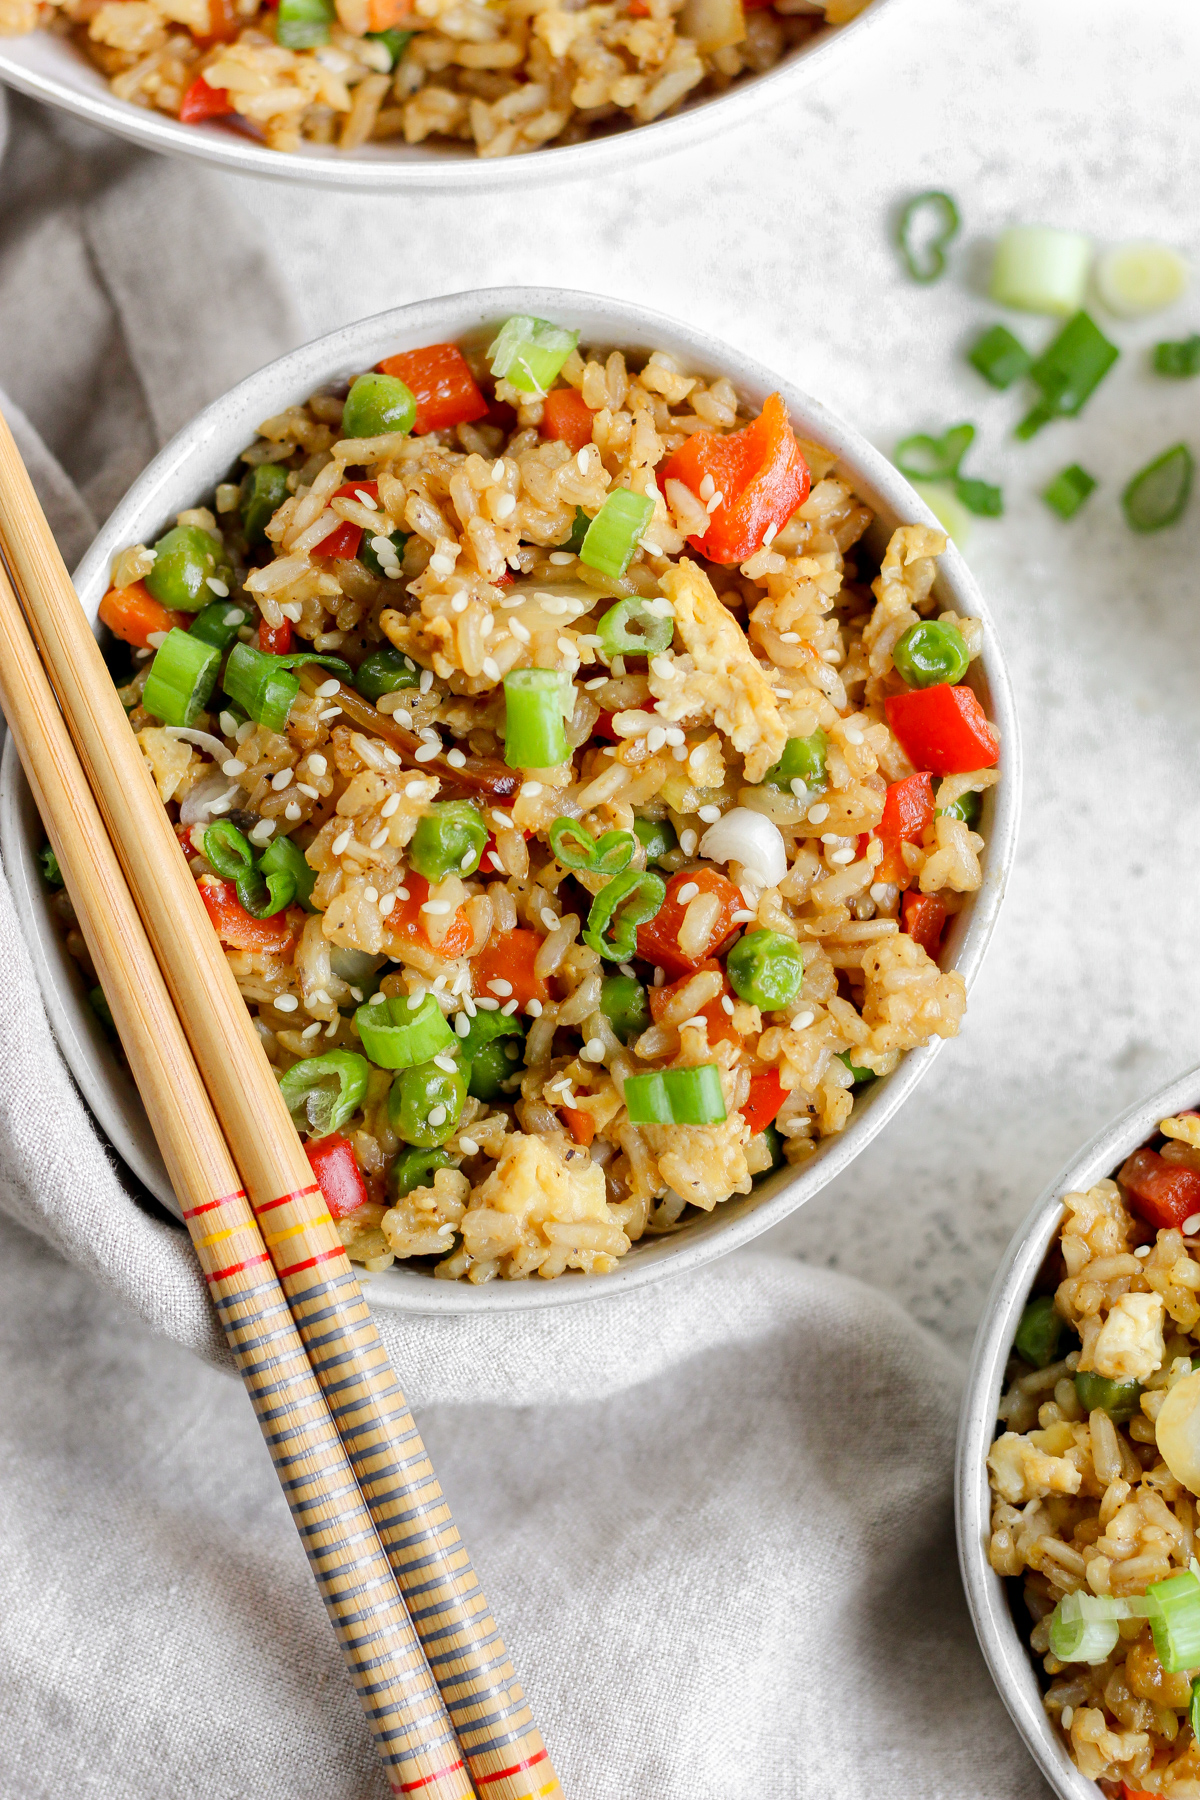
[1079,1463]
[599,768]
[382,95]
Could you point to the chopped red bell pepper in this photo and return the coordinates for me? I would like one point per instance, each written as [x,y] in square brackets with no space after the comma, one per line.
[240,929]
[759,471]
[907,813]
[404,921]
[338,1175]
[201,102]
[567,417]
[767,1095]
[275,640]
[603,728]
[440,382]
[658,939]
[942,729]
[581,1125]
[509,956]
[1162,1193]
[720,1024]
[344,538]
[924,921]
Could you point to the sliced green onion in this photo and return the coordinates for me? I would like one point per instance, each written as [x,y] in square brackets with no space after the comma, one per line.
[947,509]
[862,1075]
[1068,372]
[1179,359]
[1068,491]
[1194,1708]
[485,1028]
[370,557]
[416,1168]
[579,531]
[576,848]
[384,671]
[397,1036]
[296,659]
[1119,1399]
[303,24]
[803,760]
[261,684]
[612,537]
[534,736]
[394,42]
[766,969]
[227,851]
[426,1102]
[263,492]
[623,904]
[925,458]
[1039,1331]
[928,225]
[967,808]
[624,1003]
[1000,357]
[628,629]
[1158,494]
[376,406]
[1085,1628]
[676,1097]
[1139,278]
[265,895]
[528,353]
[181,679]
[449,840]
[283,857]
[323,1091]
[1038,269]
[657,837]
[1174,1610]
[931,652]
[51,873]
[979,497]
[219,623]
[774,1143]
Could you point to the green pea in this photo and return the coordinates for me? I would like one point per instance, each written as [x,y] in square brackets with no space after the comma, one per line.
[624,1004]
[862,1076]
[385,670]
[183,561]
[930,653]
[1119,1399]
[803,760]
[967,807]
[496,1064]
[1039,1331]
[425,1104]
[449,839]
[376,405]
[368,556]
[766,969]
[263,492]
[657,836]
[414,1169]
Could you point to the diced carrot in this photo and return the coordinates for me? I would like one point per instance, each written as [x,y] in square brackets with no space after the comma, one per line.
[658,939]
[383,14]
[767,1095]
[581,1125]
[509,956]
[567,417]
[201,102]
[276,640]
[133,614]
[404,921]
[924,920]
[720,1024]
[441,383]
[240,929]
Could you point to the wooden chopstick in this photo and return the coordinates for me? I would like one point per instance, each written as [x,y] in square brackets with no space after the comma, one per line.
[386,1663]
[495,1727]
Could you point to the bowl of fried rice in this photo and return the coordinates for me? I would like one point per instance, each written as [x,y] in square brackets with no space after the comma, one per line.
[388,94]
[599,768]
[1079,1463]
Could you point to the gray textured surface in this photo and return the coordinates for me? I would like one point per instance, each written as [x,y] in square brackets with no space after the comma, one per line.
[777,239]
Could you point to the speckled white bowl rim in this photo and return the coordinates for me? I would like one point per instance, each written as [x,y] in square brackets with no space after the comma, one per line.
[1007,1655]
[50,69]
[189,468]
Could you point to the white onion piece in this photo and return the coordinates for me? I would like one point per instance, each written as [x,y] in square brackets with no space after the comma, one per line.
[203,740]
[1177,1431]
[746,837]
[193,809]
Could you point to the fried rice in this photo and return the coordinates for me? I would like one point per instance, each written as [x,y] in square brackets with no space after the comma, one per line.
[473,573]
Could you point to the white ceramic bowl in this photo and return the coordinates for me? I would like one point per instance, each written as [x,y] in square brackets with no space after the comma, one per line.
[1006,1652]
[50,69]
[188,469]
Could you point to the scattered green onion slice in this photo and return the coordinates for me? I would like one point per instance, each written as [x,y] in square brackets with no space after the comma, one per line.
[927,227]
[862,1076]
[385,670]
[1157,494]
[484,1030]
[296,659]
[576,848]
[1139,278]
[966,808]
[1000,357]
[265,895]
[283,857]
[612,537]
[534,736]
[1068,491]
[931,652]
[416,1168]
[766,969]
[449,840]
[377,405]
[1038,269]
[1119,1399]
[397,1036]
[394,42]
[322,1092]
[1179,359]
[219,623]
[1039,1331]
[1068,372]
[624,903]
[628,629]
[803,760]
[303,24]
[51,873]
[262,493]
[261,684]
[1194,1708]
[181,679]
[579,531]
[676,1097]
[528,353]
[925,458]
[1085,1627]
[979,497]
[1174,1610]
[657,837]
[227,851]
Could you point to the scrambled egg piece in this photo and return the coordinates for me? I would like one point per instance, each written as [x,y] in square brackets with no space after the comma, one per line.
[1130,1344]
[169,759]
[1022,1472]
[728,683]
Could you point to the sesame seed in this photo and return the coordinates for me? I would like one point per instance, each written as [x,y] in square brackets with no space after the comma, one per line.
[566,647]
[488,626]
[286,1003]
[742,918]
[368,500]
[486,1004]
[262,831]
[446,1062]
[708,488]
[282,780]
[727,1005]
[503,506]
[389,806]
[437,907]
[593,1050]
[581,461]
[549,918]
[321,997]
[141,655]
[496,863]
[468,1146]
[1068,1714]
[509,1008]
[710,814]
[841,856]
[219,588]
[414,1000]
[853,735]
[560,558]
[371,894]
[156,639]
[687,892]
[356,994]
[470,1006]
[220,806]
[386,903]
[688,840]
[462,1024]
[534,1009]
[426,753]
[426,680]
[467,861]
[691,1024]
[651,549]
[437,1115]
[769,534]
[1192,1223]
[328,689]
[228,723]
[380,839]
[403,719]
[311,1030]
[402,893]
[680,752]
[802,1021]
[656,737]
[1142,1250]
[330,712]
[340,843]
[233,767]
[597,681]
[456,759]
[414,789]
[718,499]
[818,814]
[531,790]
[512,600]
[519,631]
[501,987]
[293,610]
[391,757]
[317,763]
[498,469]
[789,637]
[302,787]
[291,812]
[879,891]
[459,603]
[442,565]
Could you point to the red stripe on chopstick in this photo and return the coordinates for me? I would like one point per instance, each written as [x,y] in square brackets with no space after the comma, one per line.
[194,1212]
[482,1780]
[311,1262]
[283,1200]
[410,1787]
[236,1268]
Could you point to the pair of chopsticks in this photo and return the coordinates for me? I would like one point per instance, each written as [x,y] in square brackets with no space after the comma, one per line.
[398,1585]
